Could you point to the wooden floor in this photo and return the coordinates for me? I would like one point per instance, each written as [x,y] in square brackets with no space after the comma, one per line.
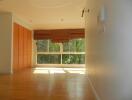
[27,85]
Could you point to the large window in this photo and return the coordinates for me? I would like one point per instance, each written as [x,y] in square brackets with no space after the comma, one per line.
[72,52]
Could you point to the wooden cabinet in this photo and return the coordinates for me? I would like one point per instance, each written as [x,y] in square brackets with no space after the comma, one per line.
[22,47]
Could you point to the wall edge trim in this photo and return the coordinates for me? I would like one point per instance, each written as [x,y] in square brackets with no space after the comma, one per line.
[93,89]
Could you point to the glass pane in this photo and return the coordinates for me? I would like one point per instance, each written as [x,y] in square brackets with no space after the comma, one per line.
[42,45]
[69,46]
[55,59]
[76,45]
[80,45]
[73,59]
[48,58]
[54,47]
[43,59]
[66,47]
[72,45]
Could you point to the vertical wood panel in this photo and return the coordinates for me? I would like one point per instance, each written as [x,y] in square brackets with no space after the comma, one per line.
[20,47]
[29,48]
[15,45]
[30,42]
[25,47]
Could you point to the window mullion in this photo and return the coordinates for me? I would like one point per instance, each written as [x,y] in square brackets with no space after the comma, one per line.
[48,45]
[61,51]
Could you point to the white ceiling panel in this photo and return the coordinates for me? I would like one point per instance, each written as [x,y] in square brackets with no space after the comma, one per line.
[47,14]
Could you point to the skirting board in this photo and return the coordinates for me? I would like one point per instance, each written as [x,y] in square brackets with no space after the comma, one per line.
[5,72]
[94,90]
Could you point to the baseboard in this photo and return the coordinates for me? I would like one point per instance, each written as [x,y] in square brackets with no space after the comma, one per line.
[94,90]
[5,72]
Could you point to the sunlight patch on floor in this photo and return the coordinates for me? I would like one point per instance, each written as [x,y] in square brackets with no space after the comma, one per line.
[77,72]
[39,70]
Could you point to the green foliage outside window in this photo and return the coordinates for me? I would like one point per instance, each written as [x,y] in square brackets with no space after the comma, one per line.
[54,47]
[73,59]
[48,59]
[42,45]
[75,45]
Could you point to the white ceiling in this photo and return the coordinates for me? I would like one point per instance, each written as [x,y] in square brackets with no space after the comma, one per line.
[47,14]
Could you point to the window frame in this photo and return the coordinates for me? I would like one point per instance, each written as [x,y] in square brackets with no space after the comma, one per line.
[61,53]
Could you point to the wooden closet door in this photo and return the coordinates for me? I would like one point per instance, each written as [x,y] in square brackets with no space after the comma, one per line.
[25,48]
[31,37]
[21,47]
[29,48]
[15,46]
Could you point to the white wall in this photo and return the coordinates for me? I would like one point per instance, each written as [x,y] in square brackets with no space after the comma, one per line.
[5,42]
[109,53]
